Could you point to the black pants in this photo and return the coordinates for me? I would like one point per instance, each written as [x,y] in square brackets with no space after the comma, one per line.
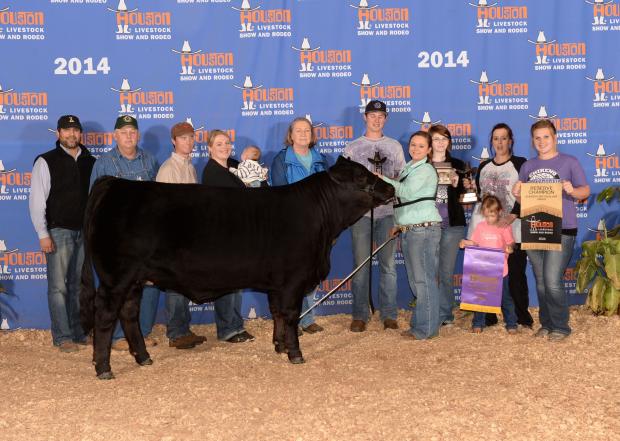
[517,282]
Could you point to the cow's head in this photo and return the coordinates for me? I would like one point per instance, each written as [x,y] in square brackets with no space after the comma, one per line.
[370,190]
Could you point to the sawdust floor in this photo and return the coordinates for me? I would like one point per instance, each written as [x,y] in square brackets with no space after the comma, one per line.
[374,385]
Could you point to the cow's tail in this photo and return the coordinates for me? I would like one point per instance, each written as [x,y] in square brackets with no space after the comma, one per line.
[87,288]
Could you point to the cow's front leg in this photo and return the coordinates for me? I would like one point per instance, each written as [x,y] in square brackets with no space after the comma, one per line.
[291,314]
[278,323]
[130,322]
[106,314]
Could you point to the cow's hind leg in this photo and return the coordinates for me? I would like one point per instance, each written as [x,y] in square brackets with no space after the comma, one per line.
[290,310]
[278,323]
[130,322]
[107,305]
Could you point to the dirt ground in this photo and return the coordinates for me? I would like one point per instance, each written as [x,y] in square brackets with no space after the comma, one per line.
[375,385]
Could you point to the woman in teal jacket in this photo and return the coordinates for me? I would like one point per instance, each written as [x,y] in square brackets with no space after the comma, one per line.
[417,217]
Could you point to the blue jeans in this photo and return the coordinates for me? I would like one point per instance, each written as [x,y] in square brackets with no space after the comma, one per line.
[148,312]
[420,248]
[448,250]
[360,236]
[549,267]
[508,310]
[177,307]
[307,303]
[228,320]
[64,269]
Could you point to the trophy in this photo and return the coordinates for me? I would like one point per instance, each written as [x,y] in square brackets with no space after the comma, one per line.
[444,172]
[470,196]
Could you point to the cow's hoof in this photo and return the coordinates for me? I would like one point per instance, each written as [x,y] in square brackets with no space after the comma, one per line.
[146,362]
[280,349]
[296,359]
[106,376]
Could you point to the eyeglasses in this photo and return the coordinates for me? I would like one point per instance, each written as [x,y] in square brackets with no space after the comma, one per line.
[439,139]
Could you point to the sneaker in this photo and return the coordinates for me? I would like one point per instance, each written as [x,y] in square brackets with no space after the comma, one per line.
[68,346]
[313,328]
[476,330]
[512,331]
[542,332]
[120,345]
[390,324]
[557,336]
[241,337]
[358,326]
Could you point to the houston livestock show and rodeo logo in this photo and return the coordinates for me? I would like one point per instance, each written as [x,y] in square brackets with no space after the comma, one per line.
[331,139]
[494,18]
[196,65]
[22,105]
[256,22]
[495,95]
[605,15]
[606,90]
[554,55]
[14,184]
[265,101]
[373,20]
[16,264]
[19,24]
[132,23]
[572,131]
[315,62]
[144,104]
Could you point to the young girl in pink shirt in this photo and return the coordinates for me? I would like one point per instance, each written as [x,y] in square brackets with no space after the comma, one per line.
[489,234]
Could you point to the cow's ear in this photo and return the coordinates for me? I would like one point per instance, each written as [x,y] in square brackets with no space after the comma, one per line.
[341,170]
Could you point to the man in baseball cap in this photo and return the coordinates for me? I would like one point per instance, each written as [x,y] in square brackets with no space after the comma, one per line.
[58,194]
[178,169]
[126,160]
[378,153]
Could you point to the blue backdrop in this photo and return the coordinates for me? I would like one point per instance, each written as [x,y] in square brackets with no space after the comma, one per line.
[250,67]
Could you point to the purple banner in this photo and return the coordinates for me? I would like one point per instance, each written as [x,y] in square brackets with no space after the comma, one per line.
[482,279]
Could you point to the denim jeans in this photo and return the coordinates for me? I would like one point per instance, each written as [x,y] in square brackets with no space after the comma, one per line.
[508,310]
[177,307]
[64,269]
[148,312]
[448,250]
[360,236]
[421,251]
[549,267]
[307,303]
[228,320]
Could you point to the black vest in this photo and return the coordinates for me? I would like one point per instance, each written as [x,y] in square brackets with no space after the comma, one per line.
[69,182]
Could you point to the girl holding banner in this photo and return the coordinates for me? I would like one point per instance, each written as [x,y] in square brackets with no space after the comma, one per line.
[550,257]
[489,233]
[497,176]
[418,219]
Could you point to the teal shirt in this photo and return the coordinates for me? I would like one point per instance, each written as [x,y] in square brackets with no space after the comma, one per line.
[421,182]
[306,160]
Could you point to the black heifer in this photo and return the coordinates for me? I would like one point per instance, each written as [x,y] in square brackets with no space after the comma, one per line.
[205,242]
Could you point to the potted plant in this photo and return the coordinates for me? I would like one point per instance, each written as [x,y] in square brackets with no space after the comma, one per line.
[599,265]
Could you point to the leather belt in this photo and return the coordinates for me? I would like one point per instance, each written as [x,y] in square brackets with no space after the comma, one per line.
[404,228]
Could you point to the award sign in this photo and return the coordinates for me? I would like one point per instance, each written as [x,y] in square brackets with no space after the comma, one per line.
[541,216]
[481,288]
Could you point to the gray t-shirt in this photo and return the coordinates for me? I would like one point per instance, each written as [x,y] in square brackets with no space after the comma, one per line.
[362,149]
